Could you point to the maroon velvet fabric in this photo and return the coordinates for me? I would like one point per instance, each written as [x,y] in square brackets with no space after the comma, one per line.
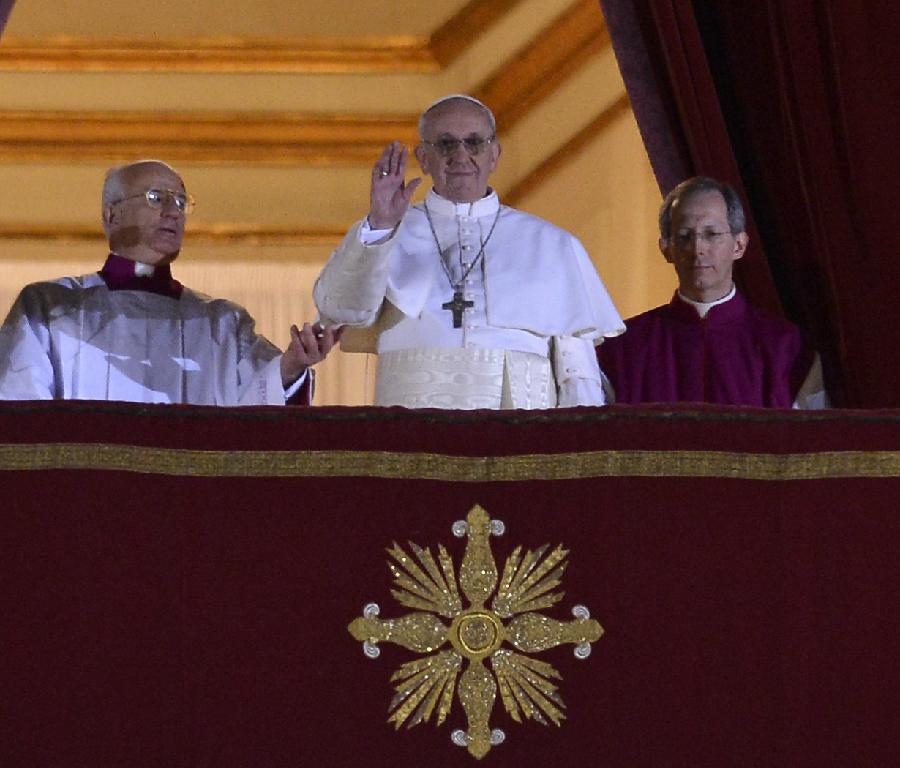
[808,115]
[632,32]
[675,102]
[6,7]
[736,355]
[164,619]
[794,101]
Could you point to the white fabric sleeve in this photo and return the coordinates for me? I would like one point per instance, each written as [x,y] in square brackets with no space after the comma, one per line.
[369,236]
[26,370]
[812,394]
[351,287]
[578,378]
[263,387]
[609,392]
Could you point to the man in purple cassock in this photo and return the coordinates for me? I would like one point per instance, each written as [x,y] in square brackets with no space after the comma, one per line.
[708,344]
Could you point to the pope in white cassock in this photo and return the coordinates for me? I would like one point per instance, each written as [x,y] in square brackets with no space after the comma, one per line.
[470,303]
[131,332]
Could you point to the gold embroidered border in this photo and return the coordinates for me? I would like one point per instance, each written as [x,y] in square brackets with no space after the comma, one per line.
[467,469]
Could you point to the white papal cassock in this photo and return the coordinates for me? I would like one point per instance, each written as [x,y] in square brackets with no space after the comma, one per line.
[74,338]
[539,308]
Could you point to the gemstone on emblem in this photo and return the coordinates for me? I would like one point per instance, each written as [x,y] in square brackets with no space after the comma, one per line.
[459,738]
[581,612]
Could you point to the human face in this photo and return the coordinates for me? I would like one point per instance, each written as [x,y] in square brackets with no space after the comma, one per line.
[459,177]
[139,232]
[701,246]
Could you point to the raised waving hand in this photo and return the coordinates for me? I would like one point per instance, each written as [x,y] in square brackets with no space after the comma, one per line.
[390,194]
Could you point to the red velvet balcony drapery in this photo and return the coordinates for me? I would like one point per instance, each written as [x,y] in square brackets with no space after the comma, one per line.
[794,103]
[177,582]
[6,7]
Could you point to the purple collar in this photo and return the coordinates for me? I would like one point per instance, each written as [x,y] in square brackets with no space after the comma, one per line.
[118,274]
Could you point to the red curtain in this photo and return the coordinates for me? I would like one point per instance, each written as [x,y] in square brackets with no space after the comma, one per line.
[5,9]
[793,103]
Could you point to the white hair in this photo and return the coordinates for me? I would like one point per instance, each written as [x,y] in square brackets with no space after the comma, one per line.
[423,119]
[114,183]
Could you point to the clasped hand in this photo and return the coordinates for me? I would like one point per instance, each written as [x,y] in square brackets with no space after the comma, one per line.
[308,347]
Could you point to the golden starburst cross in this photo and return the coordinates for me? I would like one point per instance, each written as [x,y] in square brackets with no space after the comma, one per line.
[477,634]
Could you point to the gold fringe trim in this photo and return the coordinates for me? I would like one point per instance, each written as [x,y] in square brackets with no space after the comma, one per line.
[467,469]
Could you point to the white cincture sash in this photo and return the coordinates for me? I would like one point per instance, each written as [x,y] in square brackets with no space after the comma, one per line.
[464,379]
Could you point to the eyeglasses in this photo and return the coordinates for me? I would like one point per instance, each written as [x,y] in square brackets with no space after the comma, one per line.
[707,236]
[474,145]
[157,198]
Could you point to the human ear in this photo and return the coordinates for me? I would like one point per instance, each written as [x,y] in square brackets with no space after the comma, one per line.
[741,240]
[422,158]
[664,250]
[496,149]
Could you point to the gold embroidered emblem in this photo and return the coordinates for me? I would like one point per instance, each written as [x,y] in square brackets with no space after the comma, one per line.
[476,633]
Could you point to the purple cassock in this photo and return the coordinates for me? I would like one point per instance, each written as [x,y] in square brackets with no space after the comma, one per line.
[736,355]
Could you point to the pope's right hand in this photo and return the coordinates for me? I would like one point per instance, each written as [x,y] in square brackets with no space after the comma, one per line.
[390,194]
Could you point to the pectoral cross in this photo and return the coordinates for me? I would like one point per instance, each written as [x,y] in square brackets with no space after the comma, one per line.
[457,306]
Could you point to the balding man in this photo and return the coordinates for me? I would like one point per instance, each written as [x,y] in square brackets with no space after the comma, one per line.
[132,332]
[471,304]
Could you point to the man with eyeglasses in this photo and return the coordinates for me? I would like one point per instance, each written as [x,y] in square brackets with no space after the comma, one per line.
[132,332]
[708,344]
[468,303]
